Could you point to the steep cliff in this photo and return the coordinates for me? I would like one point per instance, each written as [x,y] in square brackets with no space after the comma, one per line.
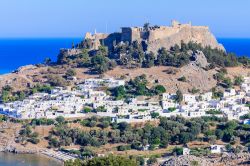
[186,34]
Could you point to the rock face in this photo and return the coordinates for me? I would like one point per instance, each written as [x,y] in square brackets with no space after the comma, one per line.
[200,59]
[187,161]
[157,37]
[185,33]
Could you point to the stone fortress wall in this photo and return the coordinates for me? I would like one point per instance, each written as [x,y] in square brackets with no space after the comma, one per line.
[158,36]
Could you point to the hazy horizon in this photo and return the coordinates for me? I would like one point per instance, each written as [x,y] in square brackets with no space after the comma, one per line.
[60,18]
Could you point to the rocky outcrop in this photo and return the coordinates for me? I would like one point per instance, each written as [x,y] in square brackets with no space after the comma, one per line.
[187,161]
[197,34]
[8,133]
[20,150]
[227,159]
[199,59]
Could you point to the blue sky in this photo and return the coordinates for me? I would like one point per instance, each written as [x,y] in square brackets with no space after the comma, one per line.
[72,18]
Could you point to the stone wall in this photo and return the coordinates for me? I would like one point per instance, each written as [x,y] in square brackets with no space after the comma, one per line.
[70,52]
[130,34]
[126,34]
[162,32]
[137,34]
[112,39]
[96,39]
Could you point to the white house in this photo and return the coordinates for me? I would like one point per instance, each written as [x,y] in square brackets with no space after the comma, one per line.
[189,98]
[217,148]
[186,151]
[207,96]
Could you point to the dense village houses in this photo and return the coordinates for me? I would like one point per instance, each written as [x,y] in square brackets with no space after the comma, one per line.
[89,93]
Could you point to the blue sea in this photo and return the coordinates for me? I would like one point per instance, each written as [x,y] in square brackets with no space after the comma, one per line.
[18,52]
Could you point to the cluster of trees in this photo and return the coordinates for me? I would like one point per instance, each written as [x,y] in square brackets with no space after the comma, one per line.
[77,60]
[104,161]
[83,152]
[222,80]
[238,80]
[135,55]
[70,73]
[137,87]
[136,138]
[173,130]
[101,64]
[244,60]
[175,57]
[217,93]
[214,112]
[26,134]
[41,88]
[225,81]
[214,56]
[42,121]
[47,122]
[8,95]
[56,80]
[97,61]
[3,118]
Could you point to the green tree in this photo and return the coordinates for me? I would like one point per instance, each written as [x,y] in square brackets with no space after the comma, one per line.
[84,59]
[105,124]
[178,150]
[87,109]
[179,96]
[238,80]
[159,89]
[151,161]
[56,80]
[110,160]
[227,82]
[21,95]
[102,50]
[149,60]
[154,115]
[119,92]
[100,63]
[70,73]
[53,142]
[5,96]
[60,119]
[183,79]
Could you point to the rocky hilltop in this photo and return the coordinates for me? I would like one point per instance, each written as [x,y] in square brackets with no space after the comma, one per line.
[156,37]
[179,57]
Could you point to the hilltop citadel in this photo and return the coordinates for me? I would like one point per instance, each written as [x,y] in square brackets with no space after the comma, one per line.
[156,37]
